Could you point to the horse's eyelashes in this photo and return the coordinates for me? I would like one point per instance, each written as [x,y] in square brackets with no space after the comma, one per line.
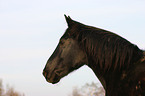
[61,43]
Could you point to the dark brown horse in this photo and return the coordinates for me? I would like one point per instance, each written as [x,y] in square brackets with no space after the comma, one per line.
[118,64]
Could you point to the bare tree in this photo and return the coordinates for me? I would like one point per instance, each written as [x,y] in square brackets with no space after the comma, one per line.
[76,92]
[1,88]
[9,91]
[92,89]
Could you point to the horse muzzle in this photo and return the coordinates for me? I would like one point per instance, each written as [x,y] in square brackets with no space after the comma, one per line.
[51,77]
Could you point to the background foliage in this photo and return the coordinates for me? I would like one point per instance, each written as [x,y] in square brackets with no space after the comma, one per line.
[92,89]
[9,91]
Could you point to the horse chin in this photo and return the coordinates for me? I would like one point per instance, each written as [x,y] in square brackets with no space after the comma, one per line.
[54,80]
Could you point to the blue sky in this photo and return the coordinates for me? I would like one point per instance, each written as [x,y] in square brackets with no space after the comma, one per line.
[30,31]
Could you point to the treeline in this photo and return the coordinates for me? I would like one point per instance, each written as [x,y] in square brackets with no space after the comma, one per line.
[92,89]
[9,91]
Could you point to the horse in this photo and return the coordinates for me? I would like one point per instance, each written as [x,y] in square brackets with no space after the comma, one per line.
[118,64]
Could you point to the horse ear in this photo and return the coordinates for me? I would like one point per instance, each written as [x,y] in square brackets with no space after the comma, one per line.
[69,21]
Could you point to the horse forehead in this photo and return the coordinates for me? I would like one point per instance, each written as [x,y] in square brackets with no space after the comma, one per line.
[67,41]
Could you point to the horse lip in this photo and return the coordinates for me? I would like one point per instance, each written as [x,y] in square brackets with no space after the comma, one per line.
[52,78]
[54,82]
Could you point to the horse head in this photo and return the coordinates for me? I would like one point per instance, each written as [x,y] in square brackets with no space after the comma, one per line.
[66,58]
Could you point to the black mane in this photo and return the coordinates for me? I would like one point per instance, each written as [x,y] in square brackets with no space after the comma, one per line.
[108,49]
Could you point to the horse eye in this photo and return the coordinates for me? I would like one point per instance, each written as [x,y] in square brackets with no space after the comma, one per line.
[61,42]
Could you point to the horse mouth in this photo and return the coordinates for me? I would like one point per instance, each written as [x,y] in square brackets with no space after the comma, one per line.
[53,78]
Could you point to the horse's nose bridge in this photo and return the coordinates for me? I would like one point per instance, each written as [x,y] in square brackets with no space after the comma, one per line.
[50,65]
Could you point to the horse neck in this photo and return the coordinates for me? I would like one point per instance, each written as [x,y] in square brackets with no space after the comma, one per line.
[97,72]
[112,80]
[143,59]
[108,78]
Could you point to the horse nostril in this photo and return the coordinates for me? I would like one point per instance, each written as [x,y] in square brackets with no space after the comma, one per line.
[58,72]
